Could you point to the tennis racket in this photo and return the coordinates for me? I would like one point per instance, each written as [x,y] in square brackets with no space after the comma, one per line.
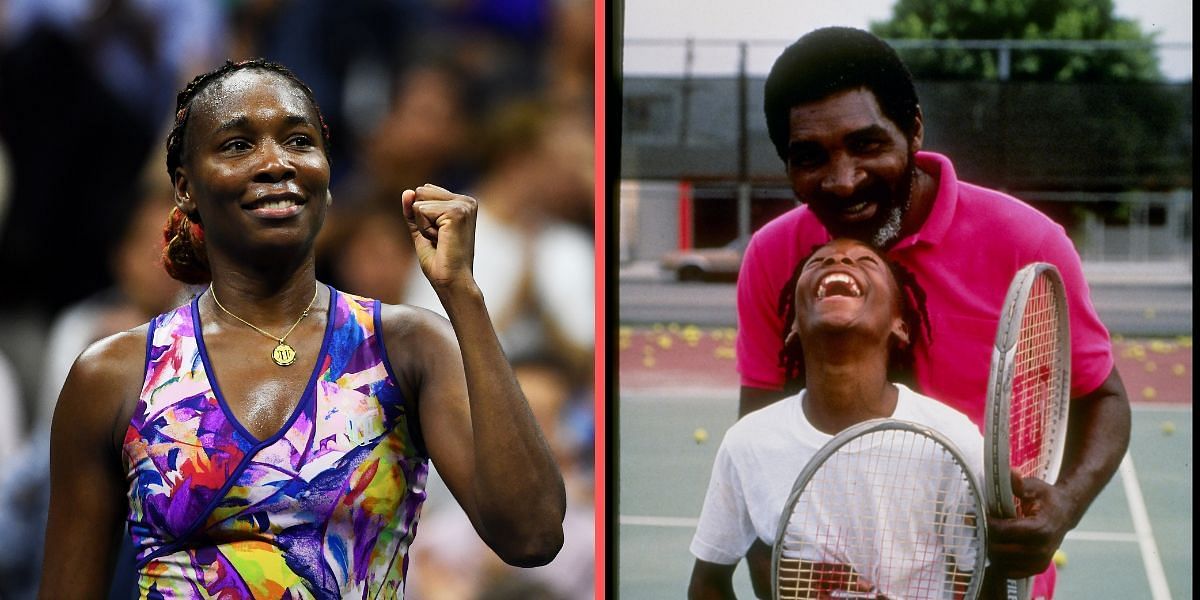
[885,509]
[1025,426]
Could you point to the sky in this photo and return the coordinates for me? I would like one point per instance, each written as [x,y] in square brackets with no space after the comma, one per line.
[785,20]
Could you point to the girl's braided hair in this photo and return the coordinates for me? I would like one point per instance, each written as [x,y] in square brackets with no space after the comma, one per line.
[900,357]
[184,256]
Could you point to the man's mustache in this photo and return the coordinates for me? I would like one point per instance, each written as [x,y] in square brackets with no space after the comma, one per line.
[874,193]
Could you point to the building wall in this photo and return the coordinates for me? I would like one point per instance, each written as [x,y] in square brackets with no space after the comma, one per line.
[649,219]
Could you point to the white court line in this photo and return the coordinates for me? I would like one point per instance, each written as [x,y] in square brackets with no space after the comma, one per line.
[1102,536]
[685,523]
[658,521]
[711,394]
[1161,407]
[1141,525]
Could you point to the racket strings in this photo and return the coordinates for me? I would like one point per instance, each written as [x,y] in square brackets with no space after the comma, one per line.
[889,514]
[1037,383]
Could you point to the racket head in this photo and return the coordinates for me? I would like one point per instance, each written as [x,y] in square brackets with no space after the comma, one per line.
[884,483]
[1029,389]
[1029,386]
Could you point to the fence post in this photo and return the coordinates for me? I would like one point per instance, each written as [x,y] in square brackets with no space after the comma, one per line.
[743,145]
[1003,61]
[685,108]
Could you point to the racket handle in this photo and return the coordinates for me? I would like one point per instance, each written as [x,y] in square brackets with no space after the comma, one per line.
[1007,589]
[996,587]
[1011,589]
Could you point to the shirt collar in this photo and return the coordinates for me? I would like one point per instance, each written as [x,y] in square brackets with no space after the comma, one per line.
[944,204]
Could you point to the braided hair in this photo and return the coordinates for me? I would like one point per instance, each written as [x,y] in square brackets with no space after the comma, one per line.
[184,256]
[900,356]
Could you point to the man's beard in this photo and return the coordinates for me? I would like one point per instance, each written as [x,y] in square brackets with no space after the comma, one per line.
[889,232]
[883,229]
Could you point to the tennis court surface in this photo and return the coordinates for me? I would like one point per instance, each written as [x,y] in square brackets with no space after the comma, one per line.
[1134,542]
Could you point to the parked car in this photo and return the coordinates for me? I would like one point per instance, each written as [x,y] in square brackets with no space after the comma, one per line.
[706,264]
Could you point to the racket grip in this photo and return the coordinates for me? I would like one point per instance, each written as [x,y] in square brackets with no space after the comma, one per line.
[1006,589]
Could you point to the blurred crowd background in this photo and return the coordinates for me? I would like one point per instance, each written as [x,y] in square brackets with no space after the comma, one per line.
[491,98]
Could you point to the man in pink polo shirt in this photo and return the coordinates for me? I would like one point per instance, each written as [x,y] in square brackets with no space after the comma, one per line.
[843,115]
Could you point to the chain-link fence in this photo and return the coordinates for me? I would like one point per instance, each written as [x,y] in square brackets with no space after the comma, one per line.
[1111,162]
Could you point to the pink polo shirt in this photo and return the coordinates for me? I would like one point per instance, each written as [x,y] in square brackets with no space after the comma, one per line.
[964,257]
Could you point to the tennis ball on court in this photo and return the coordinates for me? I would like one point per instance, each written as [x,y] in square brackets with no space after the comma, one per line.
[1060,558]
[700,435]
[1168,427]
[1149,393]
[1150,366]
[1178,369]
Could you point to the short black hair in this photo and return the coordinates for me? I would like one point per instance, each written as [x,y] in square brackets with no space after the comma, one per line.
[831,60]
[183,104]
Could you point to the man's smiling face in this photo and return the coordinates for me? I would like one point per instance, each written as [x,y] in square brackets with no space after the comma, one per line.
[852,165]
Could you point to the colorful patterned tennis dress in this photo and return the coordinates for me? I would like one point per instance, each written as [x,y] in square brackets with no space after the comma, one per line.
[325,508]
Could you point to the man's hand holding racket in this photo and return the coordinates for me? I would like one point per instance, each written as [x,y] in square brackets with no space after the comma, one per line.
[1025,427]
[1023,546]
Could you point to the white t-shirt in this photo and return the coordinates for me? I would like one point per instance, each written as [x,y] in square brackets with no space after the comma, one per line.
[763,453]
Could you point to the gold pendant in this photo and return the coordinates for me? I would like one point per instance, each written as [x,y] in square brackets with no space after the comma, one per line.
[283,355]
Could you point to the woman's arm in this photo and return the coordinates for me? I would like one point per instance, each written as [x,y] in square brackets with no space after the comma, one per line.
[87,495]
[477,426]
[711,581]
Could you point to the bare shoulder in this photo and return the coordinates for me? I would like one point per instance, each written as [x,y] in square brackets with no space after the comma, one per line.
[417,342]
[408,324]
[113,358]
[104,382]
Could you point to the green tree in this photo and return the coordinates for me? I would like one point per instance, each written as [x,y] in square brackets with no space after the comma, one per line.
[1021,20]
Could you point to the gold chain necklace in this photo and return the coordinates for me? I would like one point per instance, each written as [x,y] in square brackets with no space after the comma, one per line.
[283,354]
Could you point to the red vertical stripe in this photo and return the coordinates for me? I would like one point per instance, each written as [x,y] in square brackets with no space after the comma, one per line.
[601,204]
[685,215]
